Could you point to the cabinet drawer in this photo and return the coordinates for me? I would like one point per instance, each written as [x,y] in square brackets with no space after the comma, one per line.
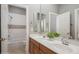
[46,50]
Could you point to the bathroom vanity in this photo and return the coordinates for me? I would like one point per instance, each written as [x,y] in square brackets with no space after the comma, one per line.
[40,45]
[37,48]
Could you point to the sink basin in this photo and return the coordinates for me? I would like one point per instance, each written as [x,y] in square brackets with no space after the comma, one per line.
[63,48]
[36,36]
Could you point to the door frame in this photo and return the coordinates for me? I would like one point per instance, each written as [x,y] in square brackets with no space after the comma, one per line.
[27,26]
[4,28]
[76,23]
[0,28]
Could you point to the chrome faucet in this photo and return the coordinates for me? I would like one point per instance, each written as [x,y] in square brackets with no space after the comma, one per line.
[64,41]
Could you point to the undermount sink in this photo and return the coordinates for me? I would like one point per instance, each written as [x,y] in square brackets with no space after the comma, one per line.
[37,36]
[63,48]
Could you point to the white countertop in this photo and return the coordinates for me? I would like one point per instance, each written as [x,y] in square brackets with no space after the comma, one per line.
[56,45]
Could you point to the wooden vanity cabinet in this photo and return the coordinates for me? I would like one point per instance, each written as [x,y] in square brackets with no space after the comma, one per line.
[33,47]
[37,48]
[45,50]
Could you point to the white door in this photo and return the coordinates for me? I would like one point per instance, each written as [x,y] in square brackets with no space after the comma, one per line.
[4,27]
[63,23]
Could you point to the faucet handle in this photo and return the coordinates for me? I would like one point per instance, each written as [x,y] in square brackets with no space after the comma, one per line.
[64,41]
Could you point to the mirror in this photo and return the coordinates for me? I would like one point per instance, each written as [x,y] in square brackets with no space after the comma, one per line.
[45,9]
[39,21]
[34,9]
[41,11]
[44,22]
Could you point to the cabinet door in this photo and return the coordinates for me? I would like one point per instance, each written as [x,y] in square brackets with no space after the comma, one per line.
[41,52]
[35,49]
